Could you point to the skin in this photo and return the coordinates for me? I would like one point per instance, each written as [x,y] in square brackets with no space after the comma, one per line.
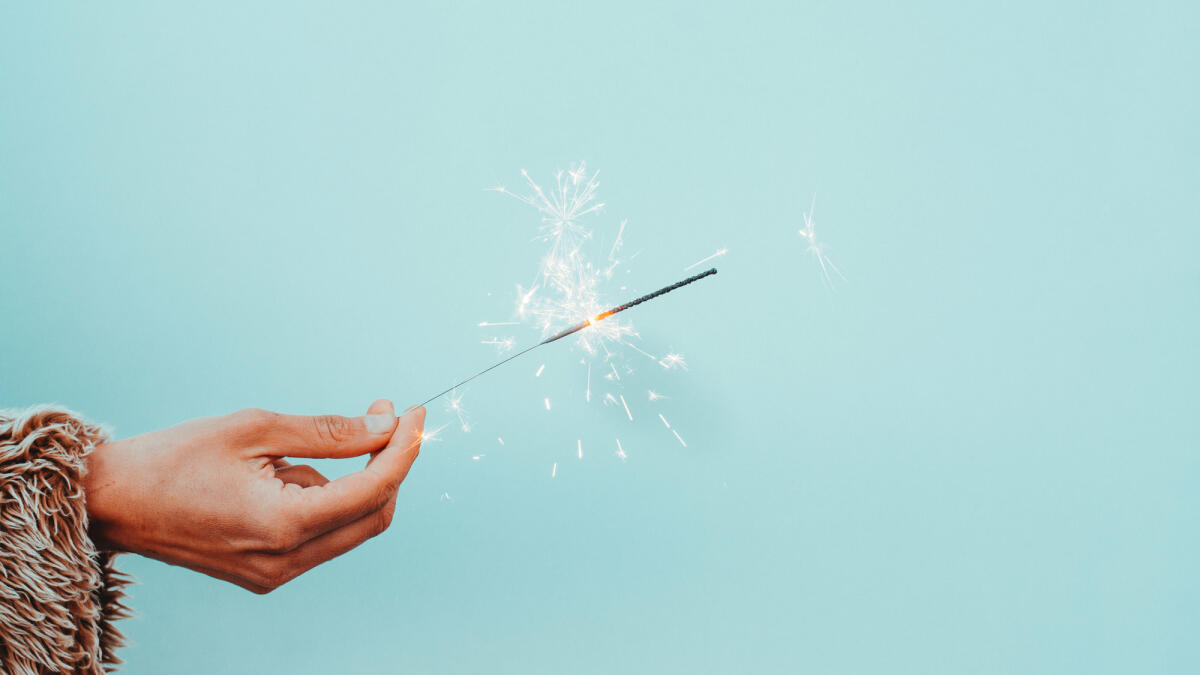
[216,495]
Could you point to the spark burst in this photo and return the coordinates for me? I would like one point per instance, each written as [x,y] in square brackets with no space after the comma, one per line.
[454,405]
[566,288]
[566,291]
[815,249]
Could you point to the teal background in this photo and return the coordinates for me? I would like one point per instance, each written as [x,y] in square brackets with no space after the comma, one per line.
[979,455]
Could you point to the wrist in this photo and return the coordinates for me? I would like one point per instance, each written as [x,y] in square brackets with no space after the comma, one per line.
[100,496]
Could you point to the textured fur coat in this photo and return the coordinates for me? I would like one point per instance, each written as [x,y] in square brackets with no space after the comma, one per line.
[59,596]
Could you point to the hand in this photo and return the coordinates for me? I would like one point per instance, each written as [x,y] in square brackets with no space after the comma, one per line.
[216,495]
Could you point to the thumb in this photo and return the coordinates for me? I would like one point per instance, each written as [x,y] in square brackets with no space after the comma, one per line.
[331,435]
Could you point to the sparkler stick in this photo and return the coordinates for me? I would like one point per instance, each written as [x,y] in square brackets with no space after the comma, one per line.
[580,326]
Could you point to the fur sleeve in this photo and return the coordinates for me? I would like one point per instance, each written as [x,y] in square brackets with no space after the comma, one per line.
[59,596]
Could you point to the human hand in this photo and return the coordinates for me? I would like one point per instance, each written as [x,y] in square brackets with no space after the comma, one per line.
[217,496]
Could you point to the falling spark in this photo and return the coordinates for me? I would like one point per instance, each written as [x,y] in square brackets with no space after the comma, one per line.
[641,351]
[502,344]
[609,398]
[654,395]
[484,324]
[815,249]
[588,394]
[539,370]
[477,457]
[664,420]
[671,361]
[620,240]
[626,408]
[580,448]
[614,370]
[698,263]
[681,441]
[547,404]
[501,439]
[554,470]
[446,497]
[621,451]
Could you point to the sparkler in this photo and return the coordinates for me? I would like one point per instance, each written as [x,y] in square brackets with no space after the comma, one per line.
[571,330]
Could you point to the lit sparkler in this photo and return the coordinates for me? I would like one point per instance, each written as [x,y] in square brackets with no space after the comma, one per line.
[595,320]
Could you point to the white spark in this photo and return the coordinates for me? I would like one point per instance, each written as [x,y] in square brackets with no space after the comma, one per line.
[477,457]
[671,361]
[641,351]
[815,249]
[664,420]
[681,441]
[454,404]
[539,370]
[547,404]
[698,263]
[621,451]
[501,439]
[588,394]
[554,470]
[485,324]
[446,497]
[502,344]
[654,395]
[431,436]
[614,370]
[580,448]
[626,408]
[612,253]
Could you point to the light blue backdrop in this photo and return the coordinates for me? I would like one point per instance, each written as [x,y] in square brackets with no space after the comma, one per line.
[979,455]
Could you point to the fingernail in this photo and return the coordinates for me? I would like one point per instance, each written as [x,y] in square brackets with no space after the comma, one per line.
[380,423]
[414,414]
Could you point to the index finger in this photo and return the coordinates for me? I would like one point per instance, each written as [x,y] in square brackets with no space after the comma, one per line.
[327,507]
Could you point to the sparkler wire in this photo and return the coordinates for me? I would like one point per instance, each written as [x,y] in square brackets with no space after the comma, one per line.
[580,326]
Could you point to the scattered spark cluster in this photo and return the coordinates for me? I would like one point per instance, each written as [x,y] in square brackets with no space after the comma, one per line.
[568,289]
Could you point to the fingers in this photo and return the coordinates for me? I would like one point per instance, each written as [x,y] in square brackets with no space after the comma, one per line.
[322,509]
[300,474]
[317,436]
[267,572]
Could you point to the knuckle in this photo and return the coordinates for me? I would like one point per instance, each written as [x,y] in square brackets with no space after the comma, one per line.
[254,418]
[383,520]
[282,538]
[333,428]
[273,579]
[273,573]
[386,492]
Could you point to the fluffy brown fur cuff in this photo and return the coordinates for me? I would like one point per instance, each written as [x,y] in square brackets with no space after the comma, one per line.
[59,596]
